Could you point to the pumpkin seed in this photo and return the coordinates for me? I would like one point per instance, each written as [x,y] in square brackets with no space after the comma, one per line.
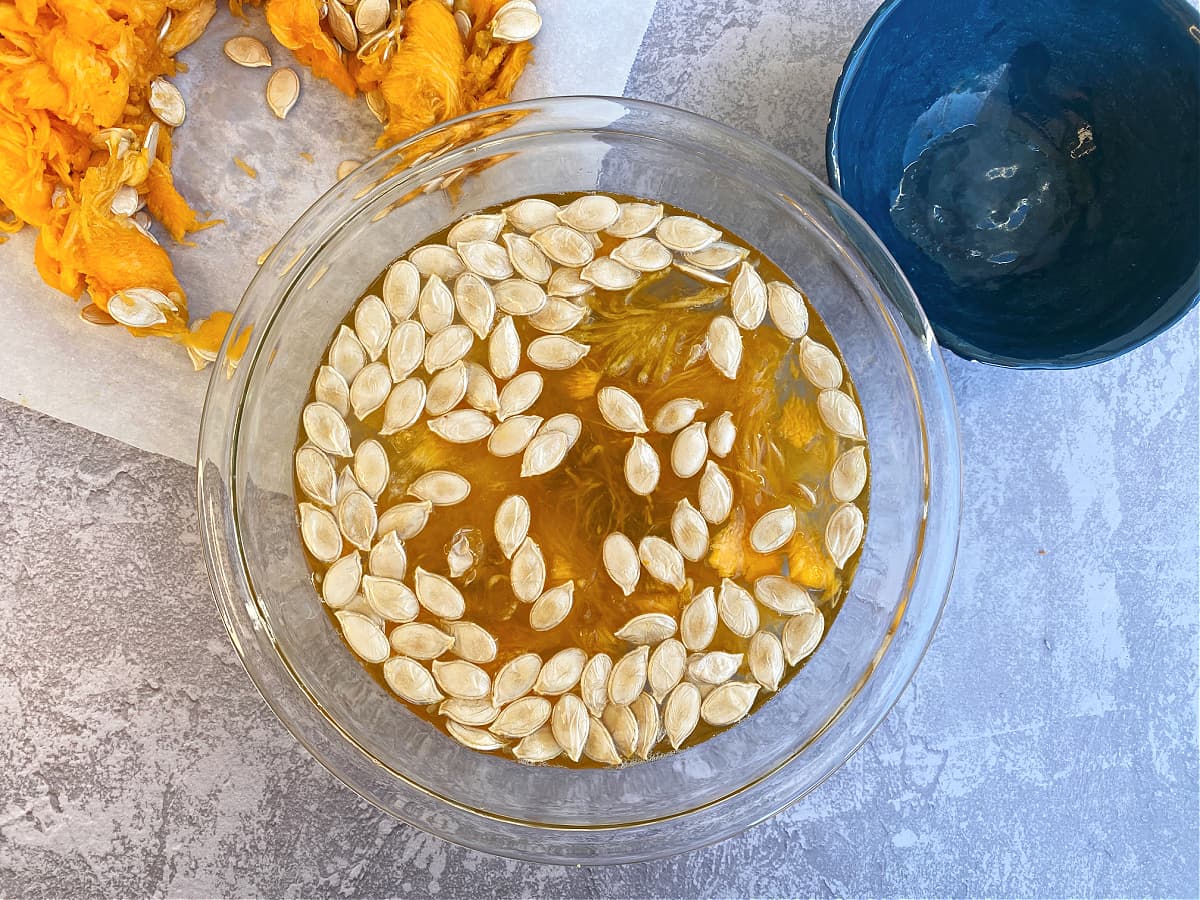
[532,214]
[342,580]
[420,641]
[662,561]
[555,351]
[599,745]
[441,488]
[737,610]
[405,349]
[544,453]
[645,710]
[689,450]
[642,468]
[721,434]
[473,738]
[482,392]
[716,494]
[685,234]
[403,406]
[552,607]
[569,722]
[326,429]
[519,394]
[365,638]
[621,562]
[840,414]
[481,227]
[848,476]
[622,725]
[766,660]
[411,681]
[514,23]
[247,51]
[676,414]
[283,90]
[844,533]
[700,274]
[438,594]
[564,245]
[372,325]
[565,423]
[522,717]
[511,524]
[801,634]
[519,297]
[460,678]
[447,347]
[369,389]
[461,556]
[788,312]
[515,678]
[390,598]
[628,676]
[773,529]
[648,628]
[439,260]
[346,482]
[782,595]
[167,103]
[341,25]
[406,519]
[608,274]
[346,354]
[689,531]
[388,558]
[666,667]
[635,219]
[401,289]
[504,349]
[435,304]
[447,389]
[513,435]
[538,747]
[475,713]
[330,387]
[486,259]
[728,704]
[527,260]
[315,473]
[462,426]
[561,672]
[715,667]
[565,282]
[718,255]
[643,254]
[681,713]
[820,365]
[557,316]
[371,468]
[528,571]
[593,683]
[725,346]
[592,212]
[698,623]
[748,297]
[620,410]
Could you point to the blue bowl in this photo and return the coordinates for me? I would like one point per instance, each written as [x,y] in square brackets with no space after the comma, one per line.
[1034,167]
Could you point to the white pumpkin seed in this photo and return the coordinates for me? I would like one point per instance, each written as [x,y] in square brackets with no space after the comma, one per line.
[435,305]
[372,325]
[513,435]
[388,558]
[748,297]
[371,15]
[728,704]
[782,595]
[765,656]
[326,429]
[645,710]
[331,388]
[788,312]
[504,349]
[538,747]
[461,557]
[460,678]
[283,90]
[676,414]
[666,667]
[555,351]
[480,227]
[346,482]
[608,274]
[844,533]
[371,468]
[544,453]
[570,724]
[552,607]
[462,426]
[689,531]
[531,214]
[643,254]
[365,638]
[389,598]
[447,347]
[715,667]
[248,52]
[167,103]
[411,681]
[662,561]
[522,717]
[599,746]
[486,259]
[820,365]
[736,607]
[681,713]
[840,414]
[621,562]
[593,212]
[420,641]
[447,389]
[520,297]
[528,571]
[511,524]
[628,676]
[441,488]
[564,245]
[519,394]
[472,738]
[405,349]
[558,316]
[642,468]
[620,410]
[401,288]
[437,260]
[565,282]
[476,303]
[721,434]
[475,713]
[369,389]
[515,678]
[482,392]
[635,219]
[773,529]
[561,672]
[515,22]
[346,354]
[648,628]
[438,594]
[716,494]
[622,725]
[357,518]
[566,423]
[593,683]
[689,450]
[527,260]
[405,519]
[718,256]
[685,234]
[848,476]
[341,581]
[403,406]
[801,634]
[700,274]
[315,473]
[698,623]
[725,346]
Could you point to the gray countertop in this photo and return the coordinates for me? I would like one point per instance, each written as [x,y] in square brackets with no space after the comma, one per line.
[1047,746]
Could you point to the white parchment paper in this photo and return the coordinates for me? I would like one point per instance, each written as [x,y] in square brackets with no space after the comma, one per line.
[144,392]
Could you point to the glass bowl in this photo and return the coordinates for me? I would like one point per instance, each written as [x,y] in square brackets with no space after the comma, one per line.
[365,736]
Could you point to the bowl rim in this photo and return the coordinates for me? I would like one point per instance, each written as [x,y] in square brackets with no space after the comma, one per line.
[935,573]
[948,339]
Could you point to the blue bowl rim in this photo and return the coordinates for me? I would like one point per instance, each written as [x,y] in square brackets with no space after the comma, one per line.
[948,339]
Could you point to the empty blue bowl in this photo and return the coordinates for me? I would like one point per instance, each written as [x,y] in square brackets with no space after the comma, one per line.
[1034,167]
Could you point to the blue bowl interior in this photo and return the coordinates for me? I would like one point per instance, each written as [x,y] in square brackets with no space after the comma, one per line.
[1033,166]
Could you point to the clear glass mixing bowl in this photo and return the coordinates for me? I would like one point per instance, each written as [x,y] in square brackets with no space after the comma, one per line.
[372,742]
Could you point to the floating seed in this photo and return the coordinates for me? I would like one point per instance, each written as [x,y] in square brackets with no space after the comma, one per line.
[565,423]
[515,678]
[331,388]
[748,297]
[681,713]
[725,346]
[593,212]
[700,274]
[325,428]
[844,533]
[564,245]
[676,414]
[372,325]
[848,476]
[782,595]
[401,289]
[532,214]
[439,260]
[405,349]
[522,717]
[486,259]
[474,713]
[519,394]
[359,606]
[555,351]
[643,254]
[716,667]
[167,103]
[840,414]
[788,312]
[411,681]
[593,683]
[447,347]
[388,558]
[801,634]
[773,529]
[482,392]
[620,410]
[570,724]
[565,282]
[512,524]
[462,426]
[441,488]
[599,745]
[642,468]
[447,389]
[552,607]
[635,219]
[369,390]
[403,406]
[662,561]
[407,520]
[528,573]
[766,660]
[420,641]
[473,738]
[438,594]
[645,710]
[527,260]
[698,623]
[538,747]
[346,354]
[820,365]
[557,316]
[435,304]
[513,435]
[628,676]
[461,556]
[544,453]
[621,562]
[561,672]
[476,228]
[716,494]
[283,90]
[371,468]
[365,638]
[718,256]
[504,349]
[685,234]
[315,473]
[689,450]
[622,725]
[737,610]
[346,482]
[247,51]
[728,704]
[341,581]
[461,679]
[689,531]
[666,667]
[520,297]
[721,434]
[648,628]
[609,275]
[390,598]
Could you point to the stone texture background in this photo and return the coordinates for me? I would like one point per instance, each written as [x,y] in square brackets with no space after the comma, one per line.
[1047,746]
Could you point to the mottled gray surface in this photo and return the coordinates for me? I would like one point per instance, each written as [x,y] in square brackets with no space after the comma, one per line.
[1048,745]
